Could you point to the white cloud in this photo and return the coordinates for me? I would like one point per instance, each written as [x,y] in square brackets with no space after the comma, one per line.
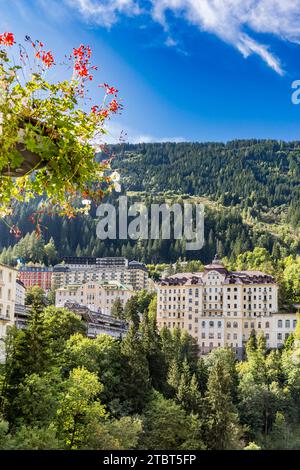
[147,139]
[170,42]
[117,133]
[237,22]
[105,12]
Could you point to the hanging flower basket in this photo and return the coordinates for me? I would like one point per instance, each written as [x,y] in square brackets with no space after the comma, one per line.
[31,161]
[48,135]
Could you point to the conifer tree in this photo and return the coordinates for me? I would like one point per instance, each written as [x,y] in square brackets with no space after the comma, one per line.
[202,375]
[262,343]
[152,348]
[183,390]
[173,378]
[117,310]
[135,379]
[251,345]
[223,428]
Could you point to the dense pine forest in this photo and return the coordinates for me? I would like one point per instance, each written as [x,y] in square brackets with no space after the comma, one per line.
[250,190]
[256,174]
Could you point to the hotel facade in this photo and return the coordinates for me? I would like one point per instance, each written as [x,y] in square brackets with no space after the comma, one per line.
[221,308]
[8,278]
[36,276]
[97,296]
[79,270]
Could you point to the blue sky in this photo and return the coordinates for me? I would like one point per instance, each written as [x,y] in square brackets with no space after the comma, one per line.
[201,70]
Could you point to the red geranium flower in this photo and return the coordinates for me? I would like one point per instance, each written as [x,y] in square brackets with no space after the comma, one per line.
[79,52]
[114,106]
[104,113]
[83,71]
[48,59]
[82,64]
[7,39]
[110,90]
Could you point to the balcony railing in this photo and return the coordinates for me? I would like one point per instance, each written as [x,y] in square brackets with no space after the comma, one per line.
[4,317]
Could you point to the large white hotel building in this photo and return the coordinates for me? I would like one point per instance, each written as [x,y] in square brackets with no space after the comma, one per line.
[220,308]
[79,270]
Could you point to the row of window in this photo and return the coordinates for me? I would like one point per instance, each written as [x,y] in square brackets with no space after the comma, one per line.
[229,336]
[287,323]
[211,335]
[216,311]
[218,324]
[195,290]
[281,336]
[216,308]
[211,345]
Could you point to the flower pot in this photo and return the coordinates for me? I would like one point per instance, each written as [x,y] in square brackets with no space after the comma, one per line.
[31,161]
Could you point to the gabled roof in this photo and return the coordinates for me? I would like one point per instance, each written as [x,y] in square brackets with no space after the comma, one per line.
[216,267]
[230,277]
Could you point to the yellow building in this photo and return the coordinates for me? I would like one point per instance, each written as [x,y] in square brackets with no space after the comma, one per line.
[220,308]
[8,277]
[97,296]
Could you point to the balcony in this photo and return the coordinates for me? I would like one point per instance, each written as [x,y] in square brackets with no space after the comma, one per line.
[4,317]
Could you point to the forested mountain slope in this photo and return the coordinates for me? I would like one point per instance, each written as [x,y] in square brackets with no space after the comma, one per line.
[251,173]
[251,191]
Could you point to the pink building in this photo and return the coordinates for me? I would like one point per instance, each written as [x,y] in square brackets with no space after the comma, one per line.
[36,276]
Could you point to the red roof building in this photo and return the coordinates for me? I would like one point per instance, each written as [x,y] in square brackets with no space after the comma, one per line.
[36,276]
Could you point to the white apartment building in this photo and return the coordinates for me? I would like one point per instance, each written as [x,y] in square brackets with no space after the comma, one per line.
[8,277]
[78,270]
[220,308]
[97,296]
[20,293]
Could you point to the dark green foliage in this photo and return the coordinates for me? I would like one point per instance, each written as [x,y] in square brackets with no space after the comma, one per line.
[151,344]
[36,298]
[30,438]
[257,172]
[136,306]
[135,378]
[223,431]
[37,349]
[63,390]
[168,427]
